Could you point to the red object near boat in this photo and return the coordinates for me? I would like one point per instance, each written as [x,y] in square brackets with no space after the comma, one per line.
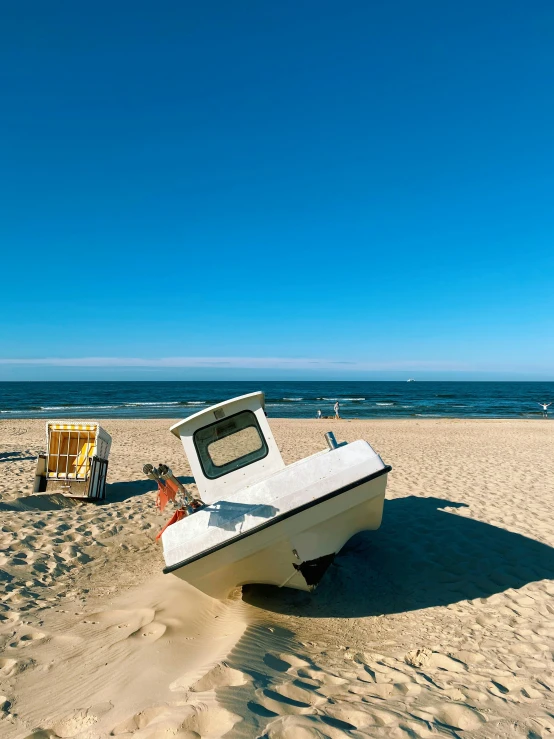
[177,516]
[167,490]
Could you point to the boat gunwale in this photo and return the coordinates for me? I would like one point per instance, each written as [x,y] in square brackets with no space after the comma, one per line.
[171,568]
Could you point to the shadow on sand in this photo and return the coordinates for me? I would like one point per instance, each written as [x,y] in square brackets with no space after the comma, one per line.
[116,492]
[17,456]
[423,555]
[40,503]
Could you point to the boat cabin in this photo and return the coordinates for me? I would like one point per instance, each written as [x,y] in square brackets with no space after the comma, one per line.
[229,446]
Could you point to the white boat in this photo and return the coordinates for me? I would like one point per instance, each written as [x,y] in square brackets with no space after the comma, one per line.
[264,521]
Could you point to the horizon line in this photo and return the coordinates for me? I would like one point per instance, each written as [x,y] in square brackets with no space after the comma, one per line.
[236,381]
[304,364]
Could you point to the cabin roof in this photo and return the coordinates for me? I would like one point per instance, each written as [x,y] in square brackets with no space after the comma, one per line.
[208,412]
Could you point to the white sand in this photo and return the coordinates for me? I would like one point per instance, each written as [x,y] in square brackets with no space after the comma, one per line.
[441,623]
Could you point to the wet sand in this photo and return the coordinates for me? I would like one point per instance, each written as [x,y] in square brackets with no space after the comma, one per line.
[441,623]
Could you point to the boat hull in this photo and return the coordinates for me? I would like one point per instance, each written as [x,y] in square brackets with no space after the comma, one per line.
[292,550]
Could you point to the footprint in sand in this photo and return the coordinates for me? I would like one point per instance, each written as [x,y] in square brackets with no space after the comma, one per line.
[276,663]
[300,693]
[184,722]
[209,721]
[295,661]
[134,620]
[425,658]
[139,720]
[152,632]
[455,716]
[9,667]
[302,727]
[28,638]
[74,724]
[351,717]
[8,618]
[321,677]
[285,662]
[20,558]
[4,706]
[278,704]
[467,658]
[514,691]
[219,677]
[387,690]
[138,625]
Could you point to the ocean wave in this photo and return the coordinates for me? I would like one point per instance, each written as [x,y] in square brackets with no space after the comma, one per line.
[78,407]
[21,410]
[384,403]
[283,400]
[61,407]
[353,399]
[132,405]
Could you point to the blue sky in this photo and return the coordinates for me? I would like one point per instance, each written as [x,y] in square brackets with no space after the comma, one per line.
[293,189]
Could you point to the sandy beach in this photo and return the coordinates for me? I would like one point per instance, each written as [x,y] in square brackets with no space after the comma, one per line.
[439,624]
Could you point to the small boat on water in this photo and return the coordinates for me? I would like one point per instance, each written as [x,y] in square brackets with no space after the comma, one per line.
[257,520]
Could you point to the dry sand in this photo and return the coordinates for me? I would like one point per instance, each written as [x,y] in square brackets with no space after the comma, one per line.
[441,623]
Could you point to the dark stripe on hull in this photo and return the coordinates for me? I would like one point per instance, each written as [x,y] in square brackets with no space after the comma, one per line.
[277,519]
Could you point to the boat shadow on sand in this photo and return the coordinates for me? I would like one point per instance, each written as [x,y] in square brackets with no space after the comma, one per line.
[116,492]
[426,553]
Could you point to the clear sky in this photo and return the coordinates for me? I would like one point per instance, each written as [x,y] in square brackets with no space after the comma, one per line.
[295,189]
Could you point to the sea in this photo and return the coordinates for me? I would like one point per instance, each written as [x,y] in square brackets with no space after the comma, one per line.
[401,399]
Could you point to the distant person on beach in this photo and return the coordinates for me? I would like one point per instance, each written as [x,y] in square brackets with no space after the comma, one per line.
[337,409]
[544,407]
[318,415]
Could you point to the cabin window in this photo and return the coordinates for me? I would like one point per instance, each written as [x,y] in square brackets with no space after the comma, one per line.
[229,444]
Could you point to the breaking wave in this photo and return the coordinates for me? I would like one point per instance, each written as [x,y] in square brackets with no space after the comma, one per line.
[77,407]
[162,403]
